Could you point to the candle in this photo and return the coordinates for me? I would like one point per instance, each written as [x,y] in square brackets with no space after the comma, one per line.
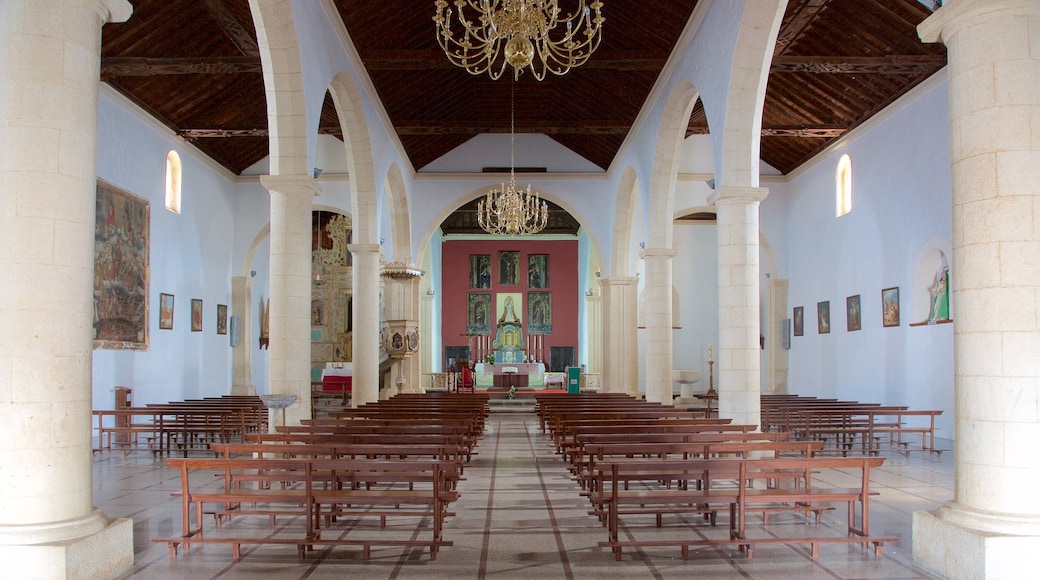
[709,353]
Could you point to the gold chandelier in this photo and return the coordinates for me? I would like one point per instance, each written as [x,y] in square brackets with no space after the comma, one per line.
[507,211]
[521,33]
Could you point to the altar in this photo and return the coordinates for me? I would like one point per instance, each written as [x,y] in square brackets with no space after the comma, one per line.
[518,375]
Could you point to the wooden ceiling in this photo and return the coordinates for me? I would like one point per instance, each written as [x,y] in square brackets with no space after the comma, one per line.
[194,65]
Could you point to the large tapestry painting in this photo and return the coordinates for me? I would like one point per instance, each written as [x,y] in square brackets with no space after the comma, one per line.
[120,270]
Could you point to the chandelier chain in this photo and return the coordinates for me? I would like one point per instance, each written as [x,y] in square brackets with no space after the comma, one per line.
[507,211]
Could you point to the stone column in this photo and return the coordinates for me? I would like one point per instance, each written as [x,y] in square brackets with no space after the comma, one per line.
[289,358]
[620,345]
[426,323]
[777,371]
[366,322]
[49,69]
[593,314]
[657,315]
[739,356]
[242,353]
[992,527]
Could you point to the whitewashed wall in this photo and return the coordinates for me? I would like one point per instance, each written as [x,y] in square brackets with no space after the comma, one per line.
[190,258]
[901,200]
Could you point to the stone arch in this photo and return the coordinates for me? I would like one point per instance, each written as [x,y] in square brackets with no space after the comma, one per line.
[742,136]
[667,153]
[624,210]
[363,204]
[283,80]
[450,207]
[400,224]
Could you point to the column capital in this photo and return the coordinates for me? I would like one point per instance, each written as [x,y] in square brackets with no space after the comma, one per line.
[727,195]
[291,184]
[112,10]
[658,253]
[364,249]
[607,281]
[955,14]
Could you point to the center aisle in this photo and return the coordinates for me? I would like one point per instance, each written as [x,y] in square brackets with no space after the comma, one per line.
[521,516]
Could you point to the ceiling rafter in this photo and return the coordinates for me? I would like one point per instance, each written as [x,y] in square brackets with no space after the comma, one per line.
[884,65]
[144,67]
[243,37]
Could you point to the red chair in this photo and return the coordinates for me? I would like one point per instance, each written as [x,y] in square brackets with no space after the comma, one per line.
[466,381]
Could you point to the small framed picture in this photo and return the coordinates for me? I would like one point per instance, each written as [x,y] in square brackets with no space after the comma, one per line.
[852,316]
[823,317]
[165,311]
[221,318]
[890,306]
[799,320]
[196,315]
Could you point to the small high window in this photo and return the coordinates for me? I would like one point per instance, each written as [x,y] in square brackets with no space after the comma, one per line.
[843,186]
[173,182]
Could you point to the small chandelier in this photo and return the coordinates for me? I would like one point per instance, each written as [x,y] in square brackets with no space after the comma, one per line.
[507,211]
[519,33]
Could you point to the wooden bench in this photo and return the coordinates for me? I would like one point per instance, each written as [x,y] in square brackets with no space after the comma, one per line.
[321,490]
[726,485]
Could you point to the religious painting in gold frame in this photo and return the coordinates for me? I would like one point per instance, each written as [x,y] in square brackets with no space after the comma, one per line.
[509,268]
[480,271]
[121,240]
[539,313]
[478,313]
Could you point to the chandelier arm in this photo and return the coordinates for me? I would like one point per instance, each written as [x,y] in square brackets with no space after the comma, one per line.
[517,32]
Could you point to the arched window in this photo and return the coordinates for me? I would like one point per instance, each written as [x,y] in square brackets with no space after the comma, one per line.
[843,186]
[173,182]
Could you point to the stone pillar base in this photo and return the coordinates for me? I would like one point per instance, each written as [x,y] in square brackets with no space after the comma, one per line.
[99,555]
[953,551]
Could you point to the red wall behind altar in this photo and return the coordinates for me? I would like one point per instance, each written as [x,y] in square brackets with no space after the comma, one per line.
[563,283]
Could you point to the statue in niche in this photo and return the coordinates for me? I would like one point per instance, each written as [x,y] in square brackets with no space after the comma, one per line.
[940,293]
[509,336]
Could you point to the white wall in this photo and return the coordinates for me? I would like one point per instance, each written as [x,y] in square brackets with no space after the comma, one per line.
[190,257]
[901,201]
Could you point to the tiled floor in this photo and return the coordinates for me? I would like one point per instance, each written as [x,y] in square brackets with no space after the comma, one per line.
[520,516]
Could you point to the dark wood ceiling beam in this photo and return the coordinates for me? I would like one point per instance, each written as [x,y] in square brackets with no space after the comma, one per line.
[193,134]
[885,65]
[614,60]
[549,128]
[780,131]
[146,67]
[799,21]
[235,30]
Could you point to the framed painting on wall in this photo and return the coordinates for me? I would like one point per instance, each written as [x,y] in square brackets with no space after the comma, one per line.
[890,306]
[852,313]
[478,313]
[121,240]
[799,320]
[221,318]
[196,315]
[823,317]
[509,268]
[165,311]
[538,271]
[480,271]
[539,312]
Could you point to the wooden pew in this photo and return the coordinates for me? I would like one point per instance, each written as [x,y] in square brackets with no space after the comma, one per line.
[726,483]
[322,489]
